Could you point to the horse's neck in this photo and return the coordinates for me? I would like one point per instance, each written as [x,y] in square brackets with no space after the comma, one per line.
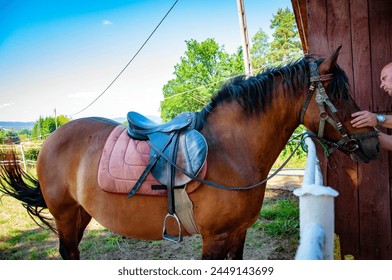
[247,146]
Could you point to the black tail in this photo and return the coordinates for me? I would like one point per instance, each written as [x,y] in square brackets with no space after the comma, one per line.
[15,182]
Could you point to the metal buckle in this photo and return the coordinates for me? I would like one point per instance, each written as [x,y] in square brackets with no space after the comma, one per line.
[352,145]
[169,237]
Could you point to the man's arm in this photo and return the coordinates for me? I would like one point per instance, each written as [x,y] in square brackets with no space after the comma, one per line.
[366,118]
[385,141]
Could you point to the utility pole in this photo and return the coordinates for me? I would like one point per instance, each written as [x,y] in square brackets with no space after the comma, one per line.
[55,117]
[39,128]
[245,38]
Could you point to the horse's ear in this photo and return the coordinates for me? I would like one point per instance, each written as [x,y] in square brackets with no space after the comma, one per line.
[327,65]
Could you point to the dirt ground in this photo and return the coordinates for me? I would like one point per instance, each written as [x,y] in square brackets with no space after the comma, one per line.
[258,246]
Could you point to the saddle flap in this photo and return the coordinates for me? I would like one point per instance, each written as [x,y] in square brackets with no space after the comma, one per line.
[192,152]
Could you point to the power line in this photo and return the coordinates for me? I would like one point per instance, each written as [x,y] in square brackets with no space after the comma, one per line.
[122,71]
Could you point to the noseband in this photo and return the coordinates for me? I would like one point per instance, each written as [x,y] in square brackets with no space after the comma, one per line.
[348,142]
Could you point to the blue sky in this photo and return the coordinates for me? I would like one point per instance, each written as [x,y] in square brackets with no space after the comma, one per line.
[62,54]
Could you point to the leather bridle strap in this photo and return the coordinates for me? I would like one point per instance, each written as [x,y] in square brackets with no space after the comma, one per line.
[315,80]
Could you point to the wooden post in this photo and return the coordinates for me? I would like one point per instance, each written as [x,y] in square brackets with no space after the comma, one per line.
[245,38]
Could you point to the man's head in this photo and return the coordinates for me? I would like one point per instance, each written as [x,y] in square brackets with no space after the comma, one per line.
[386,78]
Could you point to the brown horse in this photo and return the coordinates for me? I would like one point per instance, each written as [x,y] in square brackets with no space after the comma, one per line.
[246,125]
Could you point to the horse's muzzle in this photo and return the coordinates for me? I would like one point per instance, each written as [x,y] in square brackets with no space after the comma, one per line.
[369,149]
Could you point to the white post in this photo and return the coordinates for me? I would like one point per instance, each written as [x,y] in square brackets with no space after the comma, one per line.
[316,204]
[313,248]
[23,157]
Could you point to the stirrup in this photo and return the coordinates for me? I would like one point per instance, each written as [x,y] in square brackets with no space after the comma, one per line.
[165,235]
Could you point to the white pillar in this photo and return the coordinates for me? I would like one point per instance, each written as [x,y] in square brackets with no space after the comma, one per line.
[316,203]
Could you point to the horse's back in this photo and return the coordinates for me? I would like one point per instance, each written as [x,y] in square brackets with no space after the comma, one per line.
[75,138]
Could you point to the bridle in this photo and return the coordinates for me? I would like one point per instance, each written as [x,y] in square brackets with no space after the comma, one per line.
[349,142]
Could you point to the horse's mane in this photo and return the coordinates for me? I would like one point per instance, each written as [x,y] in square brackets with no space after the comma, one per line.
[255,93]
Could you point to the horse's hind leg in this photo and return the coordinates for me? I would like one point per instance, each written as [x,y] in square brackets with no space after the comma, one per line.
[71,226]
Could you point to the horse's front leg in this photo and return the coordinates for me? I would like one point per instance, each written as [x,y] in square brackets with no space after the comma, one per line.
[223,246]
[237,250]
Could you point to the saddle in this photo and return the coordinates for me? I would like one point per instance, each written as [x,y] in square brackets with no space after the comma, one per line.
[176,146]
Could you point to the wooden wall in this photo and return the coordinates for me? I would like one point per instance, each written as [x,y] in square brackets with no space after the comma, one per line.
[364,29]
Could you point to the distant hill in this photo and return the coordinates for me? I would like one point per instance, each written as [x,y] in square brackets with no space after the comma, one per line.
[17,125]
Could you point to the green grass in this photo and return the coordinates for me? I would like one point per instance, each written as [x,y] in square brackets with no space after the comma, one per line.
[279,217]
[20,237]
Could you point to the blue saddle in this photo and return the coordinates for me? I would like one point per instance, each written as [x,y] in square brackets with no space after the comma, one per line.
[177,143]
[140,126]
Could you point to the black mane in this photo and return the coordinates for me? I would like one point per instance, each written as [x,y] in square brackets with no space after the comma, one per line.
[255,93]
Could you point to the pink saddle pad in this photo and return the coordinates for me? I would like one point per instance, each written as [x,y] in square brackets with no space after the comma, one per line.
[122,162]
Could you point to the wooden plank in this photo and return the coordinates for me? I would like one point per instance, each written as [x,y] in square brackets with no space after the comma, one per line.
[339,33]
[299,8]
[380,23]
[361,85]
[345,177]
[317,24]
[390,189]
[374,210]
[342,176]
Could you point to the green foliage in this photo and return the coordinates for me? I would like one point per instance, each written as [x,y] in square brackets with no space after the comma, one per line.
[2,136]
[293,143]
[286,44]
[200,72]
[259,50]
[9,136]
[45,126]
[31,154]
[24,135]
[299,158]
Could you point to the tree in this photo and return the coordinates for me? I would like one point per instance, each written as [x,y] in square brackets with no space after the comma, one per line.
[200,72]
[286,44]
[259,50]
[3,135]
[9,136]
[45,126]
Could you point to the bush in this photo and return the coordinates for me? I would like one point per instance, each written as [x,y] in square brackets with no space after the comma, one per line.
[32,154]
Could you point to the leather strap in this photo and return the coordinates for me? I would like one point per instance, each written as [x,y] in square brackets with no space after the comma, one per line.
[148,168]
[171,176]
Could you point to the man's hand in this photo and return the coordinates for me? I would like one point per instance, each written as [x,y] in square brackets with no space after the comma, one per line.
[363,119]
